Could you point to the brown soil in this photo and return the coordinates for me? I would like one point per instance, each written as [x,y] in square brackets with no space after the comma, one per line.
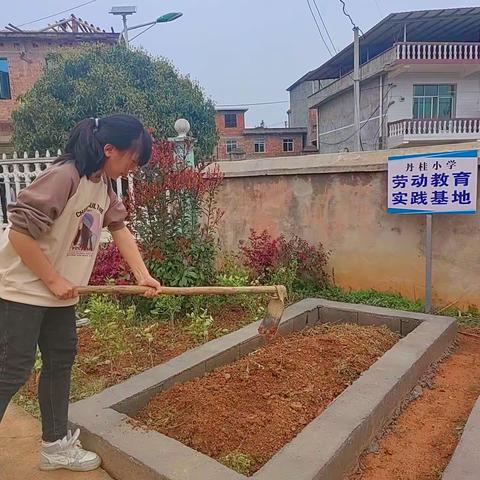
[262,401]
[96,368]
[421,442]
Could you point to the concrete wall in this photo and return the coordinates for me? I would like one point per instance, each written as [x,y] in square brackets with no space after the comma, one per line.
[373,68]
[467,93]
[340,200]
[298,104]
[335,119]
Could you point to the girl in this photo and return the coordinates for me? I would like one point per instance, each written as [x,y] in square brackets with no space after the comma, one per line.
[43,258]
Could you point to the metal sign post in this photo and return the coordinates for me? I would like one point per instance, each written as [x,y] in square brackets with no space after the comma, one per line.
[428,268]
[432,183]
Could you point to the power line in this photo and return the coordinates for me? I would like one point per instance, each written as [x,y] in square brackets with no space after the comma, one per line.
[318,28]
[349,16]
[324,26]
[378,134]
[361,126]
[346,13]
[379,8]
[58,13]
[250,104]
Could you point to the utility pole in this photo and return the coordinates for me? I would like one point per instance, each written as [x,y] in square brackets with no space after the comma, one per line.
[125,30]
[356,88]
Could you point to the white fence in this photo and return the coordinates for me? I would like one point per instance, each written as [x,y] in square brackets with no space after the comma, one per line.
[16,174]
[450,51]
[437,127]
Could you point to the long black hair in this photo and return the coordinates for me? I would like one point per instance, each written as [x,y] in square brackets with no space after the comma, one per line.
[88,137]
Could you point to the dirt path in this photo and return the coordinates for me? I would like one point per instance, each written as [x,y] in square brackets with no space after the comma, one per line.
[423,439]
[20,436]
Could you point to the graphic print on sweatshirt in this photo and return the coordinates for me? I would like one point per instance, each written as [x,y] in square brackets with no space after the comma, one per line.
[88,231]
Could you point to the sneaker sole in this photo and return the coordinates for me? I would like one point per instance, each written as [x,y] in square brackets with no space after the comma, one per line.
[83,468]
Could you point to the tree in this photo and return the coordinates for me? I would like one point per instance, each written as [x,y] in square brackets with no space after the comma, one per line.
[93,81]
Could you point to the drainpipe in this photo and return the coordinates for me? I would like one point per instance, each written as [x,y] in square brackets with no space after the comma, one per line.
[356,88]
[381,145]
[318,128]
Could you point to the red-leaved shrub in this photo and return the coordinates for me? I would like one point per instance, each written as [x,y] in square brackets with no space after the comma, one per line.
[109,267]
[261,252]
[264,254]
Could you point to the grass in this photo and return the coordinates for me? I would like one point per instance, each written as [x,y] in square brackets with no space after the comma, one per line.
[460,427]
[373,298]
[29,405]
[240,462]
[437,471]
[467,319]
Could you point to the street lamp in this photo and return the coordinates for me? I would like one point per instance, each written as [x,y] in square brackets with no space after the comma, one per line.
[124,11]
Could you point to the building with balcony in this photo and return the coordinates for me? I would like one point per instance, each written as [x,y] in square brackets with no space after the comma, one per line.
[236,142]
[419,85]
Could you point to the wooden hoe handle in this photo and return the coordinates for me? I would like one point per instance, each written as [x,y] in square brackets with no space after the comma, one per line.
[139,290]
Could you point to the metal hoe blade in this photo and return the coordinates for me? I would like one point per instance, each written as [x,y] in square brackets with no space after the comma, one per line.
[275,309]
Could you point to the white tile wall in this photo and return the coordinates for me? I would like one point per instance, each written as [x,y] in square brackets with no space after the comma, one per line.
[467,93]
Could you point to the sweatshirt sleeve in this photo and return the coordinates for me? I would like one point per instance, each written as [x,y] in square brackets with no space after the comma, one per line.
[116,213]
[39,204]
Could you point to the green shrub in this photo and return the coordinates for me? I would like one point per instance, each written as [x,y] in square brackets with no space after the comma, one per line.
[101,309]
[199,325]
[109,322]
[167,307]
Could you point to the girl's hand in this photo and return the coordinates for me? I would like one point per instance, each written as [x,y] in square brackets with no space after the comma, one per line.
[155,286]
[62,288]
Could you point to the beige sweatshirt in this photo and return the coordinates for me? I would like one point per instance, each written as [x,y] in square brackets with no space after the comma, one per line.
[65,214]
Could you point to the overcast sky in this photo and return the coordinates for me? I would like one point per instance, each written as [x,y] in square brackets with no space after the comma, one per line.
[240,51]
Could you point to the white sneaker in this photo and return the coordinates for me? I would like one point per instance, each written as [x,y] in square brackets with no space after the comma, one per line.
[82,322]
[68,453]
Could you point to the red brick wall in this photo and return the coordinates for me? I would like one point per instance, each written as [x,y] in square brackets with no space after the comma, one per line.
[230,132]
[24,70]
[273,145]
[26,60]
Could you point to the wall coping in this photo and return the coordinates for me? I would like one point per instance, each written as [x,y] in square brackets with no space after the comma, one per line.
[375,161]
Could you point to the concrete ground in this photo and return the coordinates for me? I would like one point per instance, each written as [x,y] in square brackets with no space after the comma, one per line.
[19,451]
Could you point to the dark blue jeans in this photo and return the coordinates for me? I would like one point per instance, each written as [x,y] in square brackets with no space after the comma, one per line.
[22,328]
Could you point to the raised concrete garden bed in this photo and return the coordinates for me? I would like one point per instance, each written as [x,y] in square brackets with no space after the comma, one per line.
[261,402]
[465,463]
[326,448]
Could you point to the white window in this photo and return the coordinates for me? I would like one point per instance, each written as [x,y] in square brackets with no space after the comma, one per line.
[288,144]
[433,101]
[231,145]
[259,145]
